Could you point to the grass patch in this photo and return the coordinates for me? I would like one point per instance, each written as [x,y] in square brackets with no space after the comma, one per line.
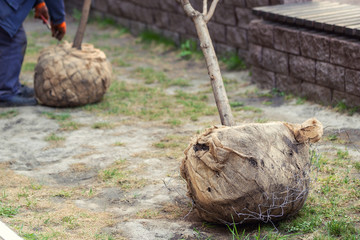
[188,49]
[119,144]
[64,120]
[54,138]
[329,209]
[120,63]
[148,37]
[117,175]
[233,62]
[9,114]
[342,107]
[57,116]
[102,125]
[70,125]
[151,76]
[152,103]
[28,66]
[8,211]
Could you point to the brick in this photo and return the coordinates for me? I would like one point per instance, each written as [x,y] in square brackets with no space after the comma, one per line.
[275,61]
[348,99]
[137,27]
[144,15]
[257,3]
[244,17]
[243,54]
[345,52]
[315,45]
[287,83]
[275,2]
[261,33]
[217,32]
[263,78]
[352,82]
[102,6]
[255,55]
[315,92]
[330,76]
[239,3]
[302,68]
[120,8]
[169,6]
[155,4]
[237,37]
[287,39]
[222,49]
[161,19]
[124,22]
[225,14]
[180,23]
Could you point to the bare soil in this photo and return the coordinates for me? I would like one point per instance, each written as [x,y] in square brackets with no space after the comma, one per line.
[150,202]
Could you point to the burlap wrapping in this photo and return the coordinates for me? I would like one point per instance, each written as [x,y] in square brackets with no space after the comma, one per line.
[68,77]
[252,172]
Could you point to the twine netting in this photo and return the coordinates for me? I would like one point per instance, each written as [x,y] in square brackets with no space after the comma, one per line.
[251,172]
[68,77]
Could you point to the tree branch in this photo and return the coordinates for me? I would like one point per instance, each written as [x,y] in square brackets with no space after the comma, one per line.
[207,47]
[188,8]
[205,8]
[209,15]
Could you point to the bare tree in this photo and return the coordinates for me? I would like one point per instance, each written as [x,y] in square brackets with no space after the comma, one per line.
[200,20]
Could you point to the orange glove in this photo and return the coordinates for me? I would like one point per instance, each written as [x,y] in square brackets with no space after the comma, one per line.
[41,10]
[58,30]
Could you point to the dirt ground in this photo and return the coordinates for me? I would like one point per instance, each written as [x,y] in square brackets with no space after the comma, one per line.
[65,186]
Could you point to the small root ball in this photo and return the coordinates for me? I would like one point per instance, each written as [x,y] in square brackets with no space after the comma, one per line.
[251,172]
[68,77]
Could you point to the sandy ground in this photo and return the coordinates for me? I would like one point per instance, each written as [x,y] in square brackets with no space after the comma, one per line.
[24,148]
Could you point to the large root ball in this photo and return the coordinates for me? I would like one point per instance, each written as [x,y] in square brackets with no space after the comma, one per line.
[68,77]
[251,172]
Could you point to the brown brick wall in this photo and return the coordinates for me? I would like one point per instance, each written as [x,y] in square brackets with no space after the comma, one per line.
[228,27]
[322,67]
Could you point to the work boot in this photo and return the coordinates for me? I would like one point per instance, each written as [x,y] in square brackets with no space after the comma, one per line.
[26,91]
[17,101]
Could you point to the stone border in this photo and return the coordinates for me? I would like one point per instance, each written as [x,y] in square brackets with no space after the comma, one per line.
[7,234]
[228,27]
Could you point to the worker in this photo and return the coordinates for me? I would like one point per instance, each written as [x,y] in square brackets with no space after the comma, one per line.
[13,44]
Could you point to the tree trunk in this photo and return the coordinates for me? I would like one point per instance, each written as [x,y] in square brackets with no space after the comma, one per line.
[207,48]
[82,25]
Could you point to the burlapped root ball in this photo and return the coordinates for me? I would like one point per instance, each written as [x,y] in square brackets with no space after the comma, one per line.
[68,77]
[250,173]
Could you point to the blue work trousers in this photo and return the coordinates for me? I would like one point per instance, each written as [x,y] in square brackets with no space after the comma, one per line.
[12,51]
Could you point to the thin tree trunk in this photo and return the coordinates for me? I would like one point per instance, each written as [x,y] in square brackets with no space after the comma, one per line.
[200,21]
[82,25]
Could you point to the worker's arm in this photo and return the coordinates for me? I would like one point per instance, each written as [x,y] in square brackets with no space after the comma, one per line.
[57,17]
[41,11]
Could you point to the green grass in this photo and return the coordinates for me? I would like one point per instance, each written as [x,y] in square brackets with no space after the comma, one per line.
[28,66]
[151,76]
[236,104]
[9,114]
[102,125]
[342,107]
[63,119]
[76,14]
[148,37]
[57,116]
[330,210]
[233,62]
[152,103]
[189,49]
[54,138]
[8,211]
